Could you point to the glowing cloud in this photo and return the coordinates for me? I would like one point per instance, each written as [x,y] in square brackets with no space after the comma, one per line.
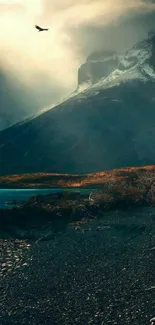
[32,56]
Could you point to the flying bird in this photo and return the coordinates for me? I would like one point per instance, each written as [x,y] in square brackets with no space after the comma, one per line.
[40,29]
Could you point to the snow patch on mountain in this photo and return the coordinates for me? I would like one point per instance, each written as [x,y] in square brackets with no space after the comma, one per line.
[133,65]
[98,65]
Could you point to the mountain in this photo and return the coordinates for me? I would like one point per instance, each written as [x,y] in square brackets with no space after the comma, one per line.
[98,65]
[109,125]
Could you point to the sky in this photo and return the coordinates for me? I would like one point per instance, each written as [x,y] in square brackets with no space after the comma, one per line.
[40,69]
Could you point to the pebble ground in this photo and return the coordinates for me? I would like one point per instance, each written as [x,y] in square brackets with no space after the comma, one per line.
[100,273]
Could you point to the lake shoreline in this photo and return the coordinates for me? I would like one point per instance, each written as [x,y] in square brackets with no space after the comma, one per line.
[29,217]
[108,191]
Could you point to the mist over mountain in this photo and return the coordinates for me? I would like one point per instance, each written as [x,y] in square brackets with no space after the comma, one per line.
[19,101]
[13,101]
[98,65]
[109,125]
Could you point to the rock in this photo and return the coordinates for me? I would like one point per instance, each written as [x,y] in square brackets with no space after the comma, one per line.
[98,65]
[152,321]
[4,265]
[25,264]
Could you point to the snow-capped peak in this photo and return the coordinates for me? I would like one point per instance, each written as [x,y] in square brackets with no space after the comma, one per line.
[134,64]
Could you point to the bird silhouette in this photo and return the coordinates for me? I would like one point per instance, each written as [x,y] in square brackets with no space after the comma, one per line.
[40,29]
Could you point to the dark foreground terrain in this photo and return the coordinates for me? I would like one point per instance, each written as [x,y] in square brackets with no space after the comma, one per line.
[68,258]
[101,272]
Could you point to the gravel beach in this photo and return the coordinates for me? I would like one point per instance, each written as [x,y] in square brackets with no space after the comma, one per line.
[100,273]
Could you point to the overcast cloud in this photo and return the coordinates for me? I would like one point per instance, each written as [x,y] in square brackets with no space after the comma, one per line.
[46,64]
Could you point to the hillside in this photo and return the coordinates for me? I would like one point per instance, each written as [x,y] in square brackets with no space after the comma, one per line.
[123,176]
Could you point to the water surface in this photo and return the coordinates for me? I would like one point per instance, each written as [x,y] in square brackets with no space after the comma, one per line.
[23,194]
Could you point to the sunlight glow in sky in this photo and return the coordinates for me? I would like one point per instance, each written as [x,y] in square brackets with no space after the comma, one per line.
[29,54]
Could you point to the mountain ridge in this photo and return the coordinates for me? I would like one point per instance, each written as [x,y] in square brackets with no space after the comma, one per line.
[98,65]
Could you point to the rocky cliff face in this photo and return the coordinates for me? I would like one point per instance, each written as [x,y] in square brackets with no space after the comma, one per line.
[98,65]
